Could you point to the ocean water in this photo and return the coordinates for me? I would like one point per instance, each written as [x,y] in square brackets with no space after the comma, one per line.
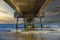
[8,27]
[44,36]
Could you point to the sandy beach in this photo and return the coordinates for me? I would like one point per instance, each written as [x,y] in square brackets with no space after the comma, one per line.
[36,35]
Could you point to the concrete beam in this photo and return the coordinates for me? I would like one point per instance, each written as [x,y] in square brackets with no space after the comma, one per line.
[14,5]
[41,11]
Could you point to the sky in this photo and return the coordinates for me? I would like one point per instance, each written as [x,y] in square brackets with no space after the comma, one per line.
[52,12]
[7,14]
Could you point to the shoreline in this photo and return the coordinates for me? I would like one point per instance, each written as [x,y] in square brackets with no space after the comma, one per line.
[32,32]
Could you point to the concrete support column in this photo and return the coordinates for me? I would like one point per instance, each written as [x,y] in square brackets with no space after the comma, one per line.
[28,24]
[33,23]
[24,22]
[17,23]
[41,23]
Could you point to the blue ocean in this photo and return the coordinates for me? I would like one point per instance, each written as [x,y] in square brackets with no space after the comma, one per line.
[8,27]
[4,27]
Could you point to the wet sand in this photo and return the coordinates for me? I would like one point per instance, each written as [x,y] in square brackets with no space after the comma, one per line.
[52,35]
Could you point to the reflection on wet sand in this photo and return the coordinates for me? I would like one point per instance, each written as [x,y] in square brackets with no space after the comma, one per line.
[30,36]
[41,37]
[18,36]
[25,36]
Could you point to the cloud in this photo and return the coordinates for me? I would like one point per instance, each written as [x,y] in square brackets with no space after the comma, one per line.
[7,17]
[52,11]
